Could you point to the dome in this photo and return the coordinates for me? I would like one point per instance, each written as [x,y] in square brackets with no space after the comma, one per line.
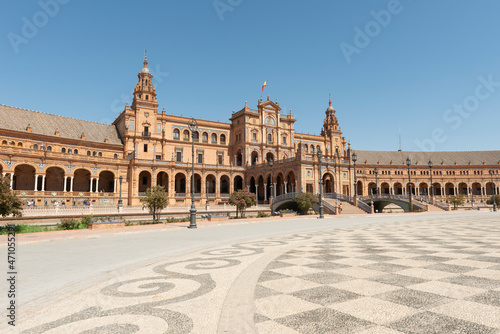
[145,70]
[330,108]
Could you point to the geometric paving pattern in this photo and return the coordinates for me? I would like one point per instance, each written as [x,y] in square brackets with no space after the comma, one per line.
[426,275]
[400,280]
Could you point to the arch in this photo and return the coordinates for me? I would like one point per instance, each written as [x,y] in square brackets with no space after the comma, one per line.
[35,146]
[24,177]
[328,183]
[372,188]
[75,151]
[204,137]
[63,150]
[260,185]
[81,181]
[185,135]
[476,188]
[54,179]
[144,181]
[489,188]
[436,189]
[196,136]
[210,183]
[410,185]
[253,187]
[99,154]
[4,143]
[280,184]
[214,138]
[290,182]
[398,188]
[224,184]
[449,189]
[269,155]
[222,139]
[423,189]
[177,134]
[239,158]
[385,188]
[254,158]
[463,188]
[180,183]
[360,188]
[238,183]
[162,180]
[19,144]
[106,182]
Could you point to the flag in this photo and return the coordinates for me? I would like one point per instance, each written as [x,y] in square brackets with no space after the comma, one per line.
[264,85]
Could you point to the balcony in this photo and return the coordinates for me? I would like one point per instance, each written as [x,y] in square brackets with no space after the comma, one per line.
[146,134]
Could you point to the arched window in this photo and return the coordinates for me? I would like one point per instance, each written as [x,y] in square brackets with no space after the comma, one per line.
[185,135]
[100,154]
[12,143]
[19,144]
[204,137]
[196,136]
[88,153]
[63,150]
[312,149]
[94,153]
[75,151]
[116,156]
[35,147]
[306,148]
[317,148]
[269,137]
[223,139]
[49,148]
[70,151]
[177,134]
[214,138]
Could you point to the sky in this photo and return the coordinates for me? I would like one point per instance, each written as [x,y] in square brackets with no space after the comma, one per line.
[420,75]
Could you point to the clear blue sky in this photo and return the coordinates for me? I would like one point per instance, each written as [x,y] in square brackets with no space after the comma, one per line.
[426,58]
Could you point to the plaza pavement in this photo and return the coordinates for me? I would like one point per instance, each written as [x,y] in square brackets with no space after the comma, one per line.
[408,273]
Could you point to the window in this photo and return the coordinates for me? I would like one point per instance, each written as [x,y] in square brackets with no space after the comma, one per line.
[88,152]
[145,180]
[69,150]
[254,136]
[145,148]
[132,125]
[94,153]
[270,121]
[220,159]
[205,137]
[49,148]
[4,142]
[214,138]
[177,134]
[116,156]
[200,158]
[19,144]
[63,150]
[306,148]
[75,151]
[158,128]
[158,157]
[178,156]
[223,139]
[269,138]
[185,135]
[196,136]
[100,154]
[284,141]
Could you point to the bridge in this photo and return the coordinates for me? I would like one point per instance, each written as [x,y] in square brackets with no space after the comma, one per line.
[380,201]
[327,201]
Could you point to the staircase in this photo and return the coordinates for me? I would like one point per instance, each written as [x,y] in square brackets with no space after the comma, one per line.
[347,208]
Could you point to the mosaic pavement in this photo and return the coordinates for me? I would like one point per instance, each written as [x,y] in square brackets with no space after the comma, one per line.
[421,276]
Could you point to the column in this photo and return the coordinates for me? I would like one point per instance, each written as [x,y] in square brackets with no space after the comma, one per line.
[96,185]
[295,186]
[265,191]
[36,182]
[248,188]
[91,183]
[71,185]
[257,192]
[114,188]
[274,190]
[11,180]
[65,183]
[43,182]
[286,191]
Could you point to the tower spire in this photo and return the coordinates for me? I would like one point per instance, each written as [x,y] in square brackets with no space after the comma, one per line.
[330,99]
[145,58]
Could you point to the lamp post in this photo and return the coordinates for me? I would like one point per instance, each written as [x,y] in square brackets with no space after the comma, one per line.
[408,163]
[376,180]
[120,202]
[192,125]
[354,159]
[431,189]
[493,188]
[270,163]
[208,202]
[321,214]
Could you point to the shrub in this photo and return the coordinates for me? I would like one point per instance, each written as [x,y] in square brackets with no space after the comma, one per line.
[84,222]
[305,201]
[68,224]
[262,214]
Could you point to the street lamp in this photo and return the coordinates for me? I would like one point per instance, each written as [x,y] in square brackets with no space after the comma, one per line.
[408,163]
[321,214]
[120,202]
[192,125]
[376,180]
[431,193]
[493,188]
[354,159]
[270,163]
[208,202]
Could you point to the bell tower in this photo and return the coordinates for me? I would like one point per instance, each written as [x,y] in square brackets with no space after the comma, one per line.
[334,142]
[144,91]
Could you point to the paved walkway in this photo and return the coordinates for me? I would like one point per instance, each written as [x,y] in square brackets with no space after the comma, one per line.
[418,273]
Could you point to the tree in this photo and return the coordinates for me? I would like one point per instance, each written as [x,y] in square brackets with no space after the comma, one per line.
[457,200]
[9,203]
[156,199]
[305,201]
[497,200]
[242,199]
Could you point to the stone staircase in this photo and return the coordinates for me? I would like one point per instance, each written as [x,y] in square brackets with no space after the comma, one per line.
[347,208]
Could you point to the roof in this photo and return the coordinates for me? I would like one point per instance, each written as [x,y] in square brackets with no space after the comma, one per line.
[422,158]
[17,119]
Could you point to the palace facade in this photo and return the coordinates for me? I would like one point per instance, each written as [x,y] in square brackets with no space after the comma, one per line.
[51,158]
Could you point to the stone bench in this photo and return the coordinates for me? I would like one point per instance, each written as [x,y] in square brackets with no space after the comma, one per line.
[213,217]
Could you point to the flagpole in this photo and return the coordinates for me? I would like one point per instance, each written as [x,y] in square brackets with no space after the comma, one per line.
[267,89]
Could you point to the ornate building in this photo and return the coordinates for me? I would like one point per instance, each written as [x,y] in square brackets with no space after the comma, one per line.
[52,158]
